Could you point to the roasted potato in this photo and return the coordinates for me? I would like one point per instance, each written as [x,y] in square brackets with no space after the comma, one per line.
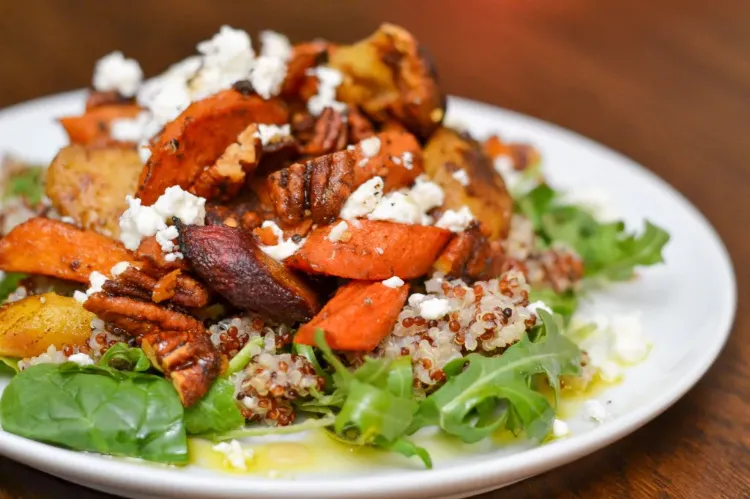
[90,185]
[29,326]
[448,152]
[389,76]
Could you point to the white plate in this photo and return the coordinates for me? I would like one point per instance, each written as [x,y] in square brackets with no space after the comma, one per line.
[688,307]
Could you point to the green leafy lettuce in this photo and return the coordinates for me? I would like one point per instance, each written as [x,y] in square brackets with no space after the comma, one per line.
[10,282]
[27,183]
[99,409]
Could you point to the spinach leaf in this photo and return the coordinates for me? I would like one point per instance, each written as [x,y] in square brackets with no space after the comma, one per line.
[9,363]
[121,356]
[27,183]
[10,283]
[482,394]
[216,412]
[97,409]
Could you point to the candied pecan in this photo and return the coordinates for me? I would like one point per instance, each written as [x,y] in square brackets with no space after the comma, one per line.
[188,358]
[330,133]
[225,178]
[166,287]
[470,255]
[360,127]
[134,282]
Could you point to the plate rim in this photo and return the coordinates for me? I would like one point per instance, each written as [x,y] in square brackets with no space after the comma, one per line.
[96,470]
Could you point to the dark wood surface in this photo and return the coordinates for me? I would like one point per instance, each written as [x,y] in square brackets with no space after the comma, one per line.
[666,82]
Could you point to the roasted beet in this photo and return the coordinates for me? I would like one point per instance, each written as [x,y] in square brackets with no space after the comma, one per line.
[230,261]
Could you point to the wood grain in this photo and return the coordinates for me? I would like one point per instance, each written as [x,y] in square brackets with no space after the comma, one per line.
[667,82]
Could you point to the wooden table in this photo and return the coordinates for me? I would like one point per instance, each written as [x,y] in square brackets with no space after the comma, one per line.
[667,82]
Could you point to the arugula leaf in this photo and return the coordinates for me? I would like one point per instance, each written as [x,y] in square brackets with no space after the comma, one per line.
[27,183]
[10,283]
[9,363]
[308,352]
[492,392]
[97,409]
[216,412]
[121,356]
[607,249]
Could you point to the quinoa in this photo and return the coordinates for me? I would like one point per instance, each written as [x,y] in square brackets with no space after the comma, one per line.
[486,316]
[231,334]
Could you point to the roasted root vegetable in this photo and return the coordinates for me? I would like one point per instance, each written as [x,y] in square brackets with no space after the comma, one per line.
[92,127]
[188,358]
[358,317]
[448,152]
[199,136]
[388,75]
[232,264]
[522,156]
[304,56]
[471,256]
[90,185]
[152,259]
[30,326]
[57,249]
[322,185]
[371,250]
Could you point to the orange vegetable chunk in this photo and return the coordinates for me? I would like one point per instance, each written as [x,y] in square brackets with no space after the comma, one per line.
[92,127]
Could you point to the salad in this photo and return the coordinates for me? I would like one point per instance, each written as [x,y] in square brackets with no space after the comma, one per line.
[261,243]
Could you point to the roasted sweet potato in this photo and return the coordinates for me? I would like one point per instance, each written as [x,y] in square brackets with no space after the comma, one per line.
[522,156]
[199,136]
[388,75]
[29,326]
[231,263]
[358,317]
[90,185]
[109,98]
[322,185]
[153,263]
[304,56]
[53,248]
[188,358]
[485,194]
[92,127]
[471,256]
[372,250]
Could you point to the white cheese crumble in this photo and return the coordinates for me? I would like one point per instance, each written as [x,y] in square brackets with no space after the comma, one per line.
[337,232]
[81,359]
[393,282]
[426,194]
[408,159]
[284,248]
[234,455]
[138,221]
[68,220]
[165,238]
[114,72]
[461,177]
[379,251]
[274,44]
[595,410]
[80,296]
[267,76]
[538,305]
[96,280]
[370,146]
[363,200]
[560,428]
[456,221]
[329,80]
[416,299]
[398,207]
[630,343]
[272,133]
[174,256]
[434,308]
[227,58]
[119,268]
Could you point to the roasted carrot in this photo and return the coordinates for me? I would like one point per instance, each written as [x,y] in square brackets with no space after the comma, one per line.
[199,136]
[53,248]
[92,127]
[371,250]
[358,317]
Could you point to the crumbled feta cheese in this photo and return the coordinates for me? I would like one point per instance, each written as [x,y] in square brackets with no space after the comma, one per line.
[115,72]
[461,177]
[408,159]
[416,299]
[272,133]
[396,160]
[132,129]
[165,238]
[370,146]
[171,257]
[328,81]
[176,202]
[397,207]
[630,343]
[284,248]
[560,428]
[538,305]
[456,221]
[393,282]
[80,296]
[379,251]
[119,268]
[68,220]
[171,98]
[434,308]
[363,200]
[96,280]
[267,76]
[81,359]
[235,455]
[426,194]
[274,44]
[595,410]
[138,222]
[227,58]
[337,232]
